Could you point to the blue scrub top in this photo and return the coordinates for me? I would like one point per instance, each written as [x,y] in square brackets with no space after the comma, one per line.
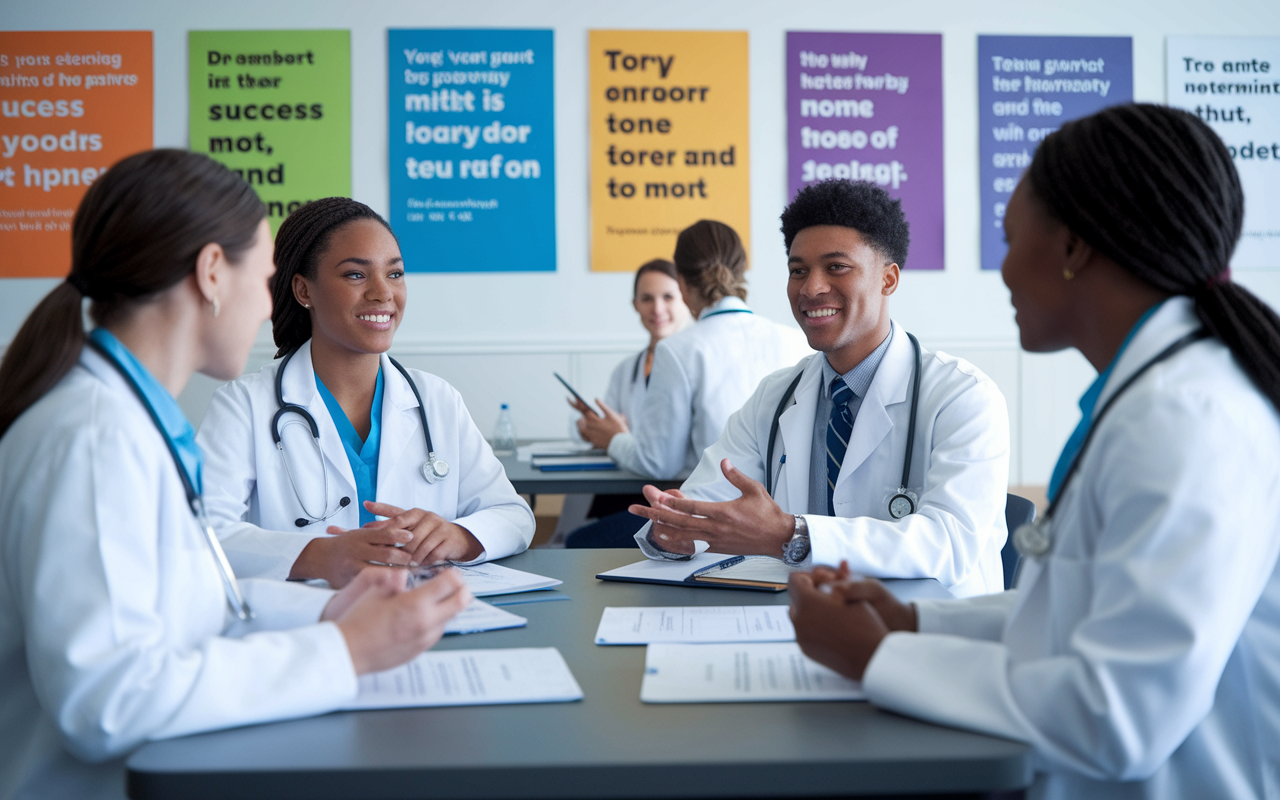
[363,455]
[173,423]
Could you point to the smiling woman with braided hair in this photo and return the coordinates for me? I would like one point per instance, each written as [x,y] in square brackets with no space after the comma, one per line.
[1139,652]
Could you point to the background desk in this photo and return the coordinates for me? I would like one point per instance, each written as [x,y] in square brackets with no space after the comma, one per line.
[608,745]
[531,481]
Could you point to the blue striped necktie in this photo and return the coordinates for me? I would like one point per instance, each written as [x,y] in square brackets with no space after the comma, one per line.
[838,431]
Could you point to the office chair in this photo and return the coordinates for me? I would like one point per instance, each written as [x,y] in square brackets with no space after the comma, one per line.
[1017,511]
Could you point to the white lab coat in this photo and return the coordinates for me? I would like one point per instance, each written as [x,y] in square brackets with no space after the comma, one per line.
[1141,655]
[627,387]
[959,469]
[114,628]
[700,376]
[251,500]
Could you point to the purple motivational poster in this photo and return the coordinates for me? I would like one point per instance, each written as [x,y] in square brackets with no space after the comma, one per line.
[868,106]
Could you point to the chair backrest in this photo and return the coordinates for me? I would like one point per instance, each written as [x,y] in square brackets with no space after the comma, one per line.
[1017,511]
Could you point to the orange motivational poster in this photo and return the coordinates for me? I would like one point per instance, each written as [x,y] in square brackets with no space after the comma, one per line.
[74,103]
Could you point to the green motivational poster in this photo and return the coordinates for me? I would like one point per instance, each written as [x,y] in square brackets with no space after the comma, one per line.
[275,107]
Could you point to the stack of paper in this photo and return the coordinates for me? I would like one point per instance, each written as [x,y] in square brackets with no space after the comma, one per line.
[739,673]
[695,624]
[470,678]
[556,447]
[559,463]
[480,616]
[489,579]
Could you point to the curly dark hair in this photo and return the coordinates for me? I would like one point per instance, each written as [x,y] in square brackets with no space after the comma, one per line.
[860,205]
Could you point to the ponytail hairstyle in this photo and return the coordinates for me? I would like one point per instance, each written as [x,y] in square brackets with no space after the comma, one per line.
[301,241]
[137,232]
[711,259]
[660,265]
[1154,189]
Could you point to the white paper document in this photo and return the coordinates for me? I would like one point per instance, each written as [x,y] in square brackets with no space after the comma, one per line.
[480,616]
[665,570]
[739,673]
[525,452]
[695,624]
[489,579]
[471,678]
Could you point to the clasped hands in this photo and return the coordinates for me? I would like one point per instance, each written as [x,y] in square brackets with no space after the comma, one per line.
[405,537]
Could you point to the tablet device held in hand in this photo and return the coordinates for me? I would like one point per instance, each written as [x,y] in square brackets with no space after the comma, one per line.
[575,394]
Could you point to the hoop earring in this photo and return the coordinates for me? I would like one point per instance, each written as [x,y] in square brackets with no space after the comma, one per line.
[1067,274]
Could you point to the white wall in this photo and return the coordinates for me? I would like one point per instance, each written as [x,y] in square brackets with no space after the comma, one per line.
[497,338]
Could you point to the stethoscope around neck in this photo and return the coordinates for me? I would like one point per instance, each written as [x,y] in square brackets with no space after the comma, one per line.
[433,470]
[1035,539]
[235,599]
[902,503]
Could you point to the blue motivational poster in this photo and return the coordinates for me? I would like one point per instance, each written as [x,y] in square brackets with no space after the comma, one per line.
[1027,87]
[471,148]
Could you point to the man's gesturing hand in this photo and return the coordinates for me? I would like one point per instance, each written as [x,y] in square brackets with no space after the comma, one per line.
[752,524]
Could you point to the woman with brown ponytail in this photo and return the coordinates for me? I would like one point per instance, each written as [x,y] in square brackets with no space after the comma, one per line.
[1139,652]
[121,621]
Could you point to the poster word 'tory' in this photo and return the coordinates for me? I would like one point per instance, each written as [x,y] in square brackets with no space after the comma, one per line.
[868,107]
[472,149]
[74,103]
[670,140]
[1027,87]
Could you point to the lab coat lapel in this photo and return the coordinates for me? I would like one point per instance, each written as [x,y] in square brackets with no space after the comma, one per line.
[400,426]
[888,387]
[299,387]
[795,429]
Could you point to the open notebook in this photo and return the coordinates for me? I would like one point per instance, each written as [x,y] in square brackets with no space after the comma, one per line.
[758,573]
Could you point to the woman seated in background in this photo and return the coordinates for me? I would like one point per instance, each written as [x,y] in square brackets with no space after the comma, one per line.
[655,295]
[700,375]
[1139,653]
[115,627]
[303,456]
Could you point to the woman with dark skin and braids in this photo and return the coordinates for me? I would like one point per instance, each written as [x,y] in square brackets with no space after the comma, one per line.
[359,493]
[1139,652]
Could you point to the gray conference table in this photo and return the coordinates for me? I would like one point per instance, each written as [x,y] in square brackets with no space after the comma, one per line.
[609,745]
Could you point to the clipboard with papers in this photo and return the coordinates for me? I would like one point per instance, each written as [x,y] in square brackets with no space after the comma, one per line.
[714,570]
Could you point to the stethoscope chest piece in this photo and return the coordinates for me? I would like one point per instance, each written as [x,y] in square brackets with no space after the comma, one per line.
[435,469]
[1034,539]
[902,504]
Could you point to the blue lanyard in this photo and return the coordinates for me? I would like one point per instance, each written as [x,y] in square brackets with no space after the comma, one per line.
[725,311]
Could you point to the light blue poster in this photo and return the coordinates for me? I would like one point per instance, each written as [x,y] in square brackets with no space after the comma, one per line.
[1027,87]
[472,149]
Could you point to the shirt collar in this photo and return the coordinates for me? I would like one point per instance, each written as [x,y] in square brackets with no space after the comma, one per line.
[367,449]
[729,303]
[859,378]
[173,423]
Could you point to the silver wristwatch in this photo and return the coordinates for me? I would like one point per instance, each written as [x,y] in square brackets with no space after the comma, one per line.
[796,550]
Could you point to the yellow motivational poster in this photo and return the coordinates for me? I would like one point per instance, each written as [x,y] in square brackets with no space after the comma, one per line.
[669,140]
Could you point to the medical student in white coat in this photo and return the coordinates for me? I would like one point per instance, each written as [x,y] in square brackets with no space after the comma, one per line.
[655,295]
[120,624]
[1139,652]
[702,374]
[311,507]
[811,469]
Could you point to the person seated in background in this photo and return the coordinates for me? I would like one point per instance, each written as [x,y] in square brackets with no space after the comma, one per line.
[811,469]
[120,623]
[1139,653]
[655,295]
[360,436]
[700,375]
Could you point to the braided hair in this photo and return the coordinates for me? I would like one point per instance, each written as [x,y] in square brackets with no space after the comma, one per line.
[1154,189]
[302,239]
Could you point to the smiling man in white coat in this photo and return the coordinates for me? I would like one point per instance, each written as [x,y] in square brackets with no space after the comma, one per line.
[811,468]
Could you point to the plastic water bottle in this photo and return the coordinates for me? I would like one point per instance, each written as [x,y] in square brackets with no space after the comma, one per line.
[504,434]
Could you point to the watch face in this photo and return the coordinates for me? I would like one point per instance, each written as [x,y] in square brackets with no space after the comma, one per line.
[900,506]
[797,550]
